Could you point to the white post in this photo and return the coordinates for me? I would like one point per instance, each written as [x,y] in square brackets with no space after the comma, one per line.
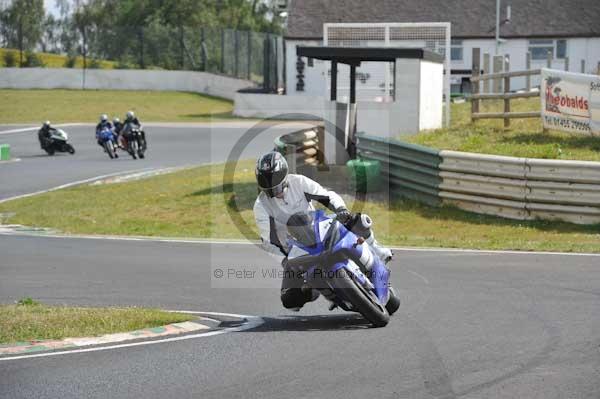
[497,26]
[447,76]
[486,70]
[387,67]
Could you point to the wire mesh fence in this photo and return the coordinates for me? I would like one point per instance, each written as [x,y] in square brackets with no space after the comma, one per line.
[241,54]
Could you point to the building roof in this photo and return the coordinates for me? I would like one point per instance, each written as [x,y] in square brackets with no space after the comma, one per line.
[469,18]
[354,55]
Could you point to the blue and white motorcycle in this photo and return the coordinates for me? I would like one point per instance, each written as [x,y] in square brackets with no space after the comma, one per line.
[337,263]
[108,140]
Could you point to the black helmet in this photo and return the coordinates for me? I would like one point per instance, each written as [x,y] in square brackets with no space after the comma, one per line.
[271,173]
[300,227]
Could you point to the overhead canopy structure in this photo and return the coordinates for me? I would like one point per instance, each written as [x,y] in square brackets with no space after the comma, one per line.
[418,71]
[353,56]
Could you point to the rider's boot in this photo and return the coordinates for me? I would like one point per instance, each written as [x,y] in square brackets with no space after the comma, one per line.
[385,254]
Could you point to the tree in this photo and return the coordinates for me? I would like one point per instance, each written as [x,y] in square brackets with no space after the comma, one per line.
[23,21]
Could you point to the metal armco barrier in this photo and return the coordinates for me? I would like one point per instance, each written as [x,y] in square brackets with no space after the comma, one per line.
[516,188]
[299,148]
[412,171]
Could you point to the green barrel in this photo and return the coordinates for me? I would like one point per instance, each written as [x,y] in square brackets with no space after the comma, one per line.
[280,146]
[4,152]
[365,175]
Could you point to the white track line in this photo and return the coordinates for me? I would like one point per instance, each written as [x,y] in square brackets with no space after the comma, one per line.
[419,276]
[252,322]
[248,242]
[76,183]
[32,129]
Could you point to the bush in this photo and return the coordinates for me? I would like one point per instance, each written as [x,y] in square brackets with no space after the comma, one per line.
[28,301]
[94,64]
[32,60]
[122,65]
[10,59]
[71,61]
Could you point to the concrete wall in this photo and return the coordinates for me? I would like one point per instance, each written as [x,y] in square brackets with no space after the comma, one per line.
[431,95]
[314,77]
[254,105]
[64,78]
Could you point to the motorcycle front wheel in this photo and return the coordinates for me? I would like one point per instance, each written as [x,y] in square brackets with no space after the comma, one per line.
[110,149]
[365,302]
[133,148]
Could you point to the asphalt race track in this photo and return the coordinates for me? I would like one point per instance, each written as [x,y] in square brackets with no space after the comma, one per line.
[472,324]
[168,146]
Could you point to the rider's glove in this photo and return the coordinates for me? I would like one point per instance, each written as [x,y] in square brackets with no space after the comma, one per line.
[343,215]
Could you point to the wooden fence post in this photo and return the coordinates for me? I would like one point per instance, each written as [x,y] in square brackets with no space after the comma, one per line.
[549,59]
[598,69]
[506,91]
[582,66]
[528,67]
[486,70]
[566,63]
[475,71]
[498,66]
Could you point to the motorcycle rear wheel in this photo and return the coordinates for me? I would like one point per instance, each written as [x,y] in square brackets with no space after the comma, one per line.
[365,302]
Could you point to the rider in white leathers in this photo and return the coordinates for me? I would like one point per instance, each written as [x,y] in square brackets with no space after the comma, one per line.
[283,195]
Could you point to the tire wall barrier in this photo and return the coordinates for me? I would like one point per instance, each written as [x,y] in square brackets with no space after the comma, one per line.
[515,188]
[299,148]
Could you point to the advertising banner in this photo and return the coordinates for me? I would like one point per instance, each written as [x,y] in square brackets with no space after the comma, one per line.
[570,101]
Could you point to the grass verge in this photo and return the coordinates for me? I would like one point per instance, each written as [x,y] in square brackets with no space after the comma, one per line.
[198,203]
[30,320]
[524,139]
[60,106]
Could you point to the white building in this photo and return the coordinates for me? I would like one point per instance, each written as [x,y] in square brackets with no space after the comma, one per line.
[568,28]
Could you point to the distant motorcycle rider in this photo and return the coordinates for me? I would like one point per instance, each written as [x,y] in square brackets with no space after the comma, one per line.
[118,125]
[130,122]
[44,134]
[103,124]
[282,196]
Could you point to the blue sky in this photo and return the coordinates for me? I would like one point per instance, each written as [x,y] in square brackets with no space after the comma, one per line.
[50,6]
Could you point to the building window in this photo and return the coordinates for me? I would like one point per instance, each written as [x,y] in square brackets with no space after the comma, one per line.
[561,48]
[539,48]
[456,50]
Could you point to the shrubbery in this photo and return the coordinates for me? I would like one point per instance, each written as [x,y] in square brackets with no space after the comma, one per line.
[32,60]
[10,59]
[70,61]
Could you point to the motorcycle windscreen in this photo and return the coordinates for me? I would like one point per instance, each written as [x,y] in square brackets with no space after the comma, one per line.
[301,227]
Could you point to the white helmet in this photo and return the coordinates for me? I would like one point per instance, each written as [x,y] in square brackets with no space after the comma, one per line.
[103,118]
[130,115]
[47,124]
[116,120]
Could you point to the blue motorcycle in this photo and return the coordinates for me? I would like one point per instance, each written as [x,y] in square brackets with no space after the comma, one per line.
[337,263]
[107,139]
